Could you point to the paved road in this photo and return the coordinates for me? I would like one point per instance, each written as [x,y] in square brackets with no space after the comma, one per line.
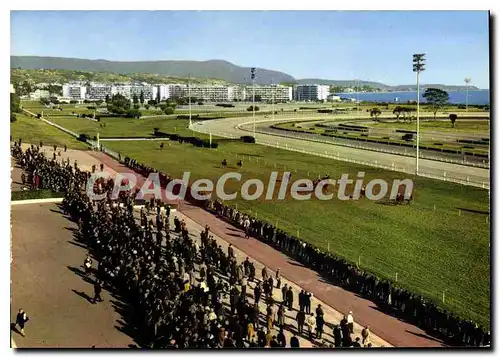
[44,284]
[230,127]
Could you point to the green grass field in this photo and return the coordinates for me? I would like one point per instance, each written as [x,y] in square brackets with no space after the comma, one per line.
[33,131]
[429,245]
[432,250]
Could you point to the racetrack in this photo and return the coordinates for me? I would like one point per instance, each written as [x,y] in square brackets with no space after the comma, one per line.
[236,127]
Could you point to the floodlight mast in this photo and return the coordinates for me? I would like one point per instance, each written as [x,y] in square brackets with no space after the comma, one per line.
[252,76]
[467,81]
[418,66]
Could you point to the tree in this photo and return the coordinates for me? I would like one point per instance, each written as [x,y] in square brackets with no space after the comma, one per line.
[152,102]
[157,97]
[141,97]
[375,112]
[436,98]
[397,111]
[135,99]
[136,106]
[119,104]
[15,103]
[146,106]
[453,119]
[133,113]
[12,117]
[107,98]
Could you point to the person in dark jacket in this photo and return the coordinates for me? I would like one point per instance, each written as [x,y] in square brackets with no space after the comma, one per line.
[97,292]
[257,292]
[289,298]
[337,336]
[294,342]
[281,339]
[21,320]
[301,319]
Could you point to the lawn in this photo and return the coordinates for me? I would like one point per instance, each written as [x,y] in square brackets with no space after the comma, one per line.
[431,247]
[33,131]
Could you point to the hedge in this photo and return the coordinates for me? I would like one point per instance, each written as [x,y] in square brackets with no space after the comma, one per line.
[35,194]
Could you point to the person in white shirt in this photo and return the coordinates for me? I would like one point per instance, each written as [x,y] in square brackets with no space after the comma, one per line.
[350,322]
[311,324]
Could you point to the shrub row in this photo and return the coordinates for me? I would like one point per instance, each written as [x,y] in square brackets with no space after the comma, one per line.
[472,141]
[225,105]
[405,131]
[385,141]
[35,194]
[181,139]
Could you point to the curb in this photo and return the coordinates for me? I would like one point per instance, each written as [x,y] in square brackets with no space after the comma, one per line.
[36,201]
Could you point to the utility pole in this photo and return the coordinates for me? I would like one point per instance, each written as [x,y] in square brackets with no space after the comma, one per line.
[252,76]
[467,81]
[189,99]
[357,98]
[418,66]
[272,89]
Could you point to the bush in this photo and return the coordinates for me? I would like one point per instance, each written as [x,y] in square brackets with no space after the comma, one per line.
[251,109]
[83,137]
[169,110]
[91,108]
[247,139]
[12,118]
[73,102]
[35,194]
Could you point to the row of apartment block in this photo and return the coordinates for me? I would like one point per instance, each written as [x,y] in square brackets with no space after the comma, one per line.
[211,93]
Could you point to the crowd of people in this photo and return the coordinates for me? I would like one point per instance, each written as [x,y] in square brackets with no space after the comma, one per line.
[185,293]
[190,294]
[413,308]
[179,288]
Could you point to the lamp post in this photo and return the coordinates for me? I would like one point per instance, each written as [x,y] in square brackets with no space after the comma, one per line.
[272,89]
[189,95]
[357,98]
[418,66]
[252,76]
[467,81]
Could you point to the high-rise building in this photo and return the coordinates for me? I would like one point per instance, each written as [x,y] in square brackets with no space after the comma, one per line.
[74,91]
[268,93]
[311,92]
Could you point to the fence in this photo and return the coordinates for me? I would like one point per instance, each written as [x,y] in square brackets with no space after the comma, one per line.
[463,161]
[375,163]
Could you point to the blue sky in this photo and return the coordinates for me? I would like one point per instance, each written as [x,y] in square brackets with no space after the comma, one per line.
[341,45]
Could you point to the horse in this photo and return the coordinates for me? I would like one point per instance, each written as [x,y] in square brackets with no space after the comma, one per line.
[240,163]
[224,163]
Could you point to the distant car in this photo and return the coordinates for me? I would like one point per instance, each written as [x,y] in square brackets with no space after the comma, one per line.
[408,137]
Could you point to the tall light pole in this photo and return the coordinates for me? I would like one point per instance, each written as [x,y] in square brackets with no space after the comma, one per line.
[467,81]
[189,95]
[357,98]
[418,66]
[272,89]
[252,76]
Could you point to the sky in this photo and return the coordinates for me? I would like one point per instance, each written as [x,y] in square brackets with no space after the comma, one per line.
[340,45]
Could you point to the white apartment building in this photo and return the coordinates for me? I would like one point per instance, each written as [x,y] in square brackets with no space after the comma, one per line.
[147,91]
[74,91]
[311,92]
[123,90]
[266,93]
[99,91]
[39,94]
